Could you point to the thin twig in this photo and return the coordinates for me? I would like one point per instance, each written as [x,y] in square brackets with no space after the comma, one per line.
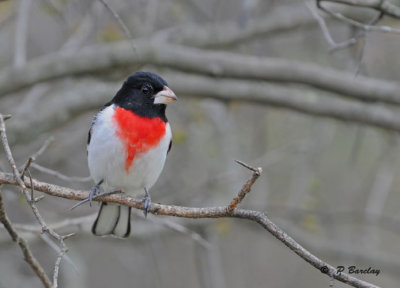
[29,258]
[121,23]
[325,30]
[60,175]
[383,6]
[365,27]
[172,225]
[78,221]
[345,44]
[246,187]
[52,245]
[322,24]
[57,265]
[33,157]
[256,170]
[360,35]
[32,191]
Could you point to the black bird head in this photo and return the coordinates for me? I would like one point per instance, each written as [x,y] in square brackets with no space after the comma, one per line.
[146,94]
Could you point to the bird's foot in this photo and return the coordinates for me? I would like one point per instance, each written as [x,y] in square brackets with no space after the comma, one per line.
[146,200]
[94,191]
[92,194]
[97,196]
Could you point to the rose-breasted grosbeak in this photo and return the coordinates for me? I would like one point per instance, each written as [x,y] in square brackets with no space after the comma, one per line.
[127,146]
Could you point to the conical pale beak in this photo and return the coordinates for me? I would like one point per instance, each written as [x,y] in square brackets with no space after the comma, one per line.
[165,96]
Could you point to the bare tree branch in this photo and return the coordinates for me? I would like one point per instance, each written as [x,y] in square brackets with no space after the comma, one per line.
[21,33]
[29,258]
[305,101]
[34,156]
[170,210]
[383,6]
[325,30]
[60,175]
[121,23]
[347,20]
[246,187]
[177,227]
[98,58]
[189,212]
[159,209]
[79,99]
[77,221]
[230,33]
[31,201]
[83,220]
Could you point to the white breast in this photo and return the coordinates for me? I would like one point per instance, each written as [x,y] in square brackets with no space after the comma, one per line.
[106,157]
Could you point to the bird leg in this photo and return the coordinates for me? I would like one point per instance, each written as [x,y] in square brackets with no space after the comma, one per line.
[146,200]
[97,196]
[95,189]
[92,194]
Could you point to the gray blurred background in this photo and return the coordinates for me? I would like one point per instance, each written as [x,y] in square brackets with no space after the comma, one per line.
[332,185]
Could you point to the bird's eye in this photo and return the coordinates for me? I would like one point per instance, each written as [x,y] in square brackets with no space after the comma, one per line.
[146,89]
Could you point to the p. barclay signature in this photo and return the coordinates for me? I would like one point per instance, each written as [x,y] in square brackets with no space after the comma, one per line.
[356,270]
[352,270]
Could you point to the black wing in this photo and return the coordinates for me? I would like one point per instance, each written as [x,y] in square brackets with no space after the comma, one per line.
[94,120]
[169,147]
[89,134]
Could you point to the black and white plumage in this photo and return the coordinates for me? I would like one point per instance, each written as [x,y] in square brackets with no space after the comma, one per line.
[128,145]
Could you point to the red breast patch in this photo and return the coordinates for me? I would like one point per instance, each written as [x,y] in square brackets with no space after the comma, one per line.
[137,133]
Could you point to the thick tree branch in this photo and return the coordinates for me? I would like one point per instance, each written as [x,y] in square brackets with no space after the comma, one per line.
[189,212]
[293,98]
[78,99]
[98,58]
